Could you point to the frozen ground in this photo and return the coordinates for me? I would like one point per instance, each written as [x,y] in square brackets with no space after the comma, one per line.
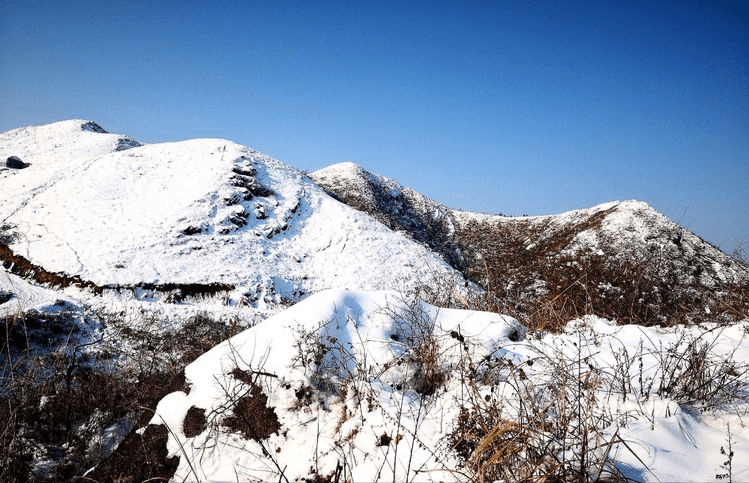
[340,371]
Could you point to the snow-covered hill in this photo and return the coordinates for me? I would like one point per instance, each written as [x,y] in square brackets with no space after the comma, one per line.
[622,259]
[400,208]
[204,211]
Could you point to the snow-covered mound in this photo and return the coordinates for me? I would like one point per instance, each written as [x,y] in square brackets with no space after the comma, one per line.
[357,386]
[204,211]
[325,390]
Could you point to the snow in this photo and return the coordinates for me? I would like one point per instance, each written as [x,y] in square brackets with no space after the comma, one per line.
[23,295]
[361,322]
[674,441]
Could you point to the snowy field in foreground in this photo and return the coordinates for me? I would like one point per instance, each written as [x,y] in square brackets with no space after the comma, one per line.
[343,373]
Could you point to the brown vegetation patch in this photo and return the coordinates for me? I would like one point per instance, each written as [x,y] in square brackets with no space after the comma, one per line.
[195,422]
[244,376]
[60,402]
[331,478]
[527,273]
[24,268]
[185,289]
[252,416]
[139,458]
[59,398]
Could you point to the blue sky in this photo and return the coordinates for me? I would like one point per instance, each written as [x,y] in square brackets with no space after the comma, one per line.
[527,107]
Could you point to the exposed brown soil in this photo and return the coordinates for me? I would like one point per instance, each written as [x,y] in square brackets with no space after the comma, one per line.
[252,416]
[22,267]
[195,422]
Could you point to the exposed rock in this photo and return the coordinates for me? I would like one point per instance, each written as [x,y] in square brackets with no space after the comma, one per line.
[15,162]
[124,144]
[91,126]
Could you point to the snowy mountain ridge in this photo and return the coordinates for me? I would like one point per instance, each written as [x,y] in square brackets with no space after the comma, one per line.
[528,260]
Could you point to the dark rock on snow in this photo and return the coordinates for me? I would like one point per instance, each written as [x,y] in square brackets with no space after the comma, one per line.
[15,163]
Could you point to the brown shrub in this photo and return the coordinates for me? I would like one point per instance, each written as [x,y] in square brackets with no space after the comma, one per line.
[195,422]
[138,458]
[252,416]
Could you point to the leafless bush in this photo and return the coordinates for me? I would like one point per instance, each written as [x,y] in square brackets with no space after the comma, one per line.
[328,362]
[416,335]
[693,373]
[61,389]
[741,253]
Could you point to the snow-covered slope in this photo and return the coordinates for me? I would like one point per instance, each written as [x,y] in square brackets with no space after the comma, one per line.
[18,295]
[621,260]
[54,152]
[628,229]
[400,208]
[203,211]
[335,392]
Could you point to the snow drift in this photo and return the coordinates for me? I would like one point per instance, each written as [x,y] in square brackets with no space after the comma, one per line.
[337,378]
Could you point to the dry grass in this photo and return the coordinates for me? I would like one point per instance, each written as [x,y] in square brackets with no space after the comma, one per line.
[547,419]
[547,429]
[416,334]
[59,396]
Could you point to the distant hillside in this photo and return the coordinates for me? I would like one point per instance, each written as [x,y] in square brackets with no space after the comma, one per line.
[399,208]
[621,260]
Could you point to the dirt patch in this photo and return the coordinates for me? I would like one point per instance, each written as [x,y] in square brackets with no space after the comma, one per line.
[252,416]
[195,422]
[22,267]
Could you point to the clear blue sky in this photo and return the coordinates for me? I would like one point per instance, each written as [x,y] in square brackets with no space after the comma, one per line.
[519,107]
